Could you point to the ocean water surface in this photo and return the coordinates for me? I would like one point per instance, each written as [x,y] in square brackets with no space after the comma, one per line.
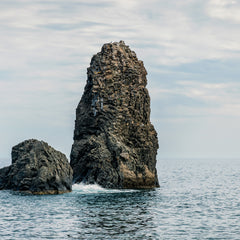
[198,199]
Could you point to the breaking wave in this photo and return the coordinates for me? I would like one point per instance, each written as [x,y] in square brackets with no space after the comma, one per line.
[95,188]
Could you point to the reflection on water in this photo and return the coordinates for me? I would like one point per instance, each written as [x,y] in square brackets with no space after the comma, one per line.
[117,215]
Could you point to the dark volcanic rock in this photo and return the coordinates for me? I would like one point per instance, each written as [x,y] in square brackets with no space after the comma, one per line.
[37,168]
[115,144]
[3,176]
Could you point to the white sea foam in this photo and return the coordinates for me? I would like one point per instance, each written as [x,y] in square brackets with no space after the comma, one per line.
[95,188]
[88,188]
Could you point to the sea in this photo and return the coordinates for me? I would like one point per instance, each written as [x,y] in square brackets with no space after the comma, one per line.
[198,199]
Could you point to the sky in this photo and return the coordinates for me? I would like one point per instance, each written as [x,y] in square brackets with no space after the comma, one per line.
[190,48]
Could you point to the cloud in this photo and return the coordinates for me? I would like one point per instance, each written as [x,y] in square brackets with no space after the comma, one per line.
[46,47]
[225,10]
[167,33]
[196,99]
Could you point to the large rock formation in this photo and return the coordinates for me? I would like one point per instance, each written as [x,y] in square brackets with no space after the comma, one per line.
[115,144]
[37,168]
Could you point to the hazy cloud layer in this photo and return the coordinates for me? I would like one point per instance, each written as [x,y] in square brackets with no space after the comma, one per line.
[190,49]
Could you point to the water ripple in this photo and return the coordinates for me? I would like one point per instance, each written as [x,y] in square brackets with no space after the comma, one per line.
[197,200]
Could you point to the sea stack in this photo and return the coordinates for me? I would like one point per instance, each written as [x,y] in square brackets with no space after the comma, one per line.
[37,168]
[115,144]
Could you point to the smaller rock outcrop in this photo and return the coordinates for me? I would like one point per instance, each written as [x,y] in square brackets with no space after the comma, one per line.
[3,176]
[37,168]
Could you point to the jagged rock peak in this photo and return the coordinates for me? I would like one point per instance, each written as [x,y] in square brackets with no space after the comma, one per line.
[115,58]
[115,143]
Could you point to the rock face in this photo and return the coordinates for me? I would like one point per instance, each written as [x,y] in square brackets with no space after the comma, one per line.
[115,144]
[37,168]
[3,176]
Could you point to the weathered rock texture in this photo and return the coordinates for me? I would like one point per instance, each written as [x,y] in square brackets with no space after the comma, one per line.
[115,145]
[37,168]
[3,176]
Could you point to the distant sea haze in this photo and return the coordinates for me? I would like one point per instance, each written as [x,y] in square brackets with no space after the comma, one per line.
[4,162]
[198,199]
